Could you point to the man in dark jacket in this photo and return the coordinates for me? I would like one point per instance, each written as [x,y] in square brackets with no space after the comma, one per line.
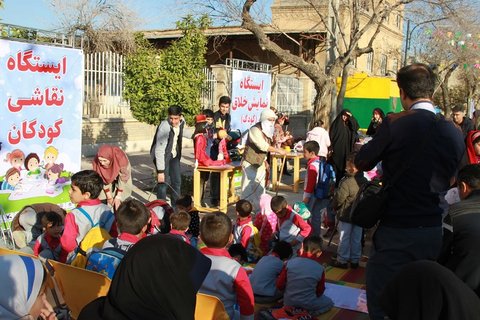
[410,228]
[166,152]
[462,254]
[465,123]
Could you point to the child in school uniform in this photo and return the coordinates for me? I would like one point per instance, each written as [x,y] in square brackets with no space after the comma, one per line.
[89,212]
[48,244]
[350,246]
[179,222]
[290,226]
[226,280]
[185,203]
[243,230]
[303,279]
[265,274]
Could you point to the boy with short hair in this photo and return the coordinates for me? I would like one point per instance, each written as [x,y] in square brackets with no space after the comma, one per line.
[290,226]
[179,222]
[89,212]
[243,228]
[132,220]
[316,166]
[266,272]
[226,280]
[185,203]
[303,279]
[48,244]
[350,246]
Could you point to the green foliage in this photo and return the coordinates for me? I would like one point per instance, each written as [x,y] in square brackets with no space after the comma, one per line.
[155,80]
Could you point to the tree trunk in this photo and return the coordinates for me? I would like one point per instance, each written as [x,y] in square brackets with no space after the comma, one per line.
[343,87]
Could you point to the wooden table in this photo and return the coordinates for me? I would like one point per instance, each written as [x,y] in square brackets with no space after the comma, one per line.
[296,170]
[226,187]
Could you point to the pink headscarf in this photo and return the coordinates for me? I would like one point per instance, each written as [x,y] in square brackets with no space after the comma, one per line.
[118,164]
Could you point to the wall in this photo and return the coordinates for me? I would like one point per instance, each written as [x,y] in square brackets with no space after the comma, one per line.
[129,134]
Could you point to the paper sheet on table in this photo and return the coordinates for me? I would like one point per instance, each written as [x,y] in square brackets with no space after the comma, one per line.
[347,297]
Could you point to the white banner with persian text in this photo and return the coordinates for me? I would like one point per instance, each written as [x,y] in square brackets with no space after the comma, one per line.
[41,94]
[250,96]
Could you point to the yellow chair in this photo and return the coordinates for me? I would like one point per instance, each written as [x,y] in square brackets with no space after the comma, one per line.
[79,286]
[209,308]
[5,251]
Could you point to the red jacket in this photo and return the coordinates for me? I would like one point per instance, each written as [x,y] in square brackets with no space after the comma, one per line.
[201,155]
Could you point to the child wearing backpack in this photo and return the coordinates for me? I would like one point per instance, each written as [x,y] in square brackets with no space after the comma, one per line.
[179,222]
[266,272]
[319,183]
[89,212]
[303,279]
[290,226]
[48,244]
[226,280]
[132,221]
[350,246]
[244,232]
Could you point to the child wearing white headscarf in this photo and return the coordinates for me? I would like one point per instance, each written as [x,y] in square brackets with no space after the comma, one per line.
[22,296]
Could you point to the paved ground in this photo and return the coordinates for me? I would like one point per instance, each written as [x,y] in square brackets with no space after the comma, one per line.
[143,181]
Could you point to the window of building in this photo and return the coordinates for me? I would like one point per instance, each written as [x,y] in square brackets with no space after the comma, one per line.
[289,95]
[370,62]
[399,21]
[384,64]
[395,65]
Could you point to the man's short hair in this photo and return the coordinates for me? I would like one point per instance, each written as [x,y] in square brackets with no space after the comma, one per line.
[215,230]
[132,216]
[417,81]
[458,108]
[180,220]
[224,99]
[278,203]
[311,146]
[312,244]
[470,175]
[88,181]
[51,219]
[184,201]
[283,249]
[175,111]
[208,113]
[244,208]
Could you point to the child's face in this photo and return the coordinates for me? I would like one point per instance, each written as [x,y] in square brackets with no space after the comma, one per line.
[76,194]
[50,158]
[32,164]
[350,167]
[17,162]
[52,176]
[14,179]
[308,154]
[55,232]
[281,213]
[209,120]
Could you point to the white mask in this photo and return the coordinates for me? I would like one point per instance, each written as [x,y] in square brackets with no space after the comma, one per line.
[268,127]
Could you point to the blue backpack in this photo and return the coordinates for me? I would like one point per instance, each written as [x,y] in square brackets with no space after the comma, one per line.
[326,180]
[105,261]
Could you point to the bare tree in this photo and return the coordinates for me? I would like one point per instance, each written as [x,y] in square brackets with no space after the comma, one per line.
[107,25]
[356,24]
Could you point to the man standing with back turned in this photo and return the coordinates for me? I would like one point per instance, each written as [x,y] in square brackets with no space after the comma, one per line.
[410,228]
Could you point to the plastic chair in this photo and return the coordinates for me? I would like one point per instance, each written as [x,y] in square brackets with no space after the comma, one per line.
[209,308]
[5,251]
[78,286]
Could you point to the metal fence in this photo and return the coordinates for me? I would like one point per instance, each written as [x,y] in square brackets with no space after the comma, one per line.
[208,93]
[104,86]
[289,94]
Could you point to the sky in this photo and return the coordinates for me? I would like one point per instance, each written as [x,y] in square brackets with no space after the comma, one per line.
[157,14]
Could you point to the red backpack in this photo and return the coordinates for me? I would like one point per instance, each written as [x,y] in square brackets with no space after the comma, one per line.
[160,212]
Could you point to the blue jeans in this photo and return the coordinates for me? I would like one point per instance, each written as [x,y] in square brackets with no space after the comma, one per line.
[350,247]
[172,178]
[316,206]
[393,248]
